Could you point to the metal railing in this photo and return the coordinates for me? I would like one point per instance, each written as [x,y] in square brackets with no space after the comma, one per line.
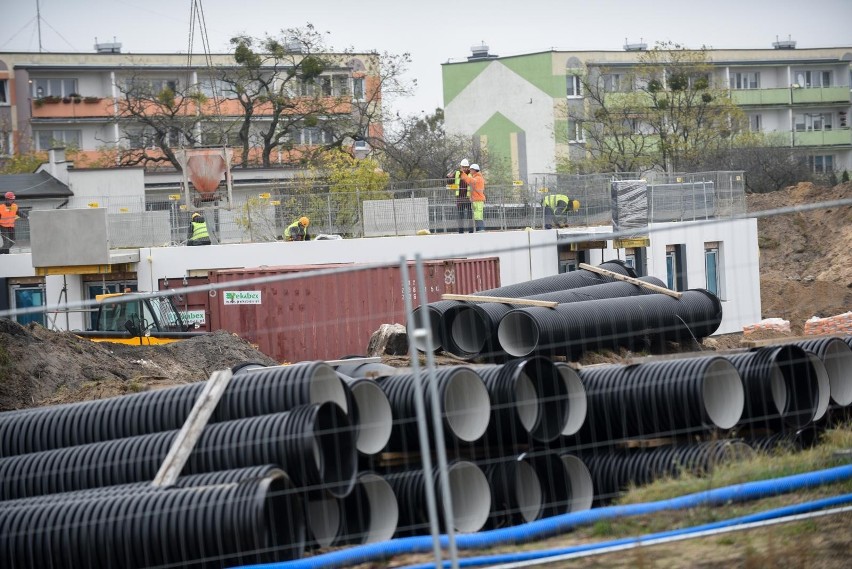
[404,208]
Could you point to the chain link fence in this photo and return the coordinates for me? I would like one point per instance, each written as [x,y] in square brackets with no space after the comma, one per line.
[403,208]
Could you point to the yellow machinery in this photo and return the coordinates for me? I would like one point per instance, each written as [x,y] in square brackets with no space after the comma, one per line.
[131,318]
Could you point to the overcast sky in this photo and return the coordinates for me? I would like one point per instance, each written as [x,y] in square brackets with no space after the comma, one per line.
[433,32]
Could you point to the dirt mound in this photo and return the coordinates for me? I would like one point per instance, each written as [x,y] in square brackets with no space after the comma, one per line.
[39,366]
[805,269]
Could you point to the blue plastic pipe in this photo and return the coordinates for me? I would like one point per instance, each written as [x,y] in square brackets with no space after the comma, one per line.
[547,553]
[560,524]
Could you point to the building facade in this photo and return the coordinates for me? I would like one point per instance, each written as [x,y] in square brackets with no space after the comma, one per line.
[518,106]
[76,100]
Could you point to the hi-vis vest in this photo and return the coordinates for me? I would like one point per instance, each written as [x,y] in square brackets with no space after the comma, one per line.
[553,200]
[289,235]
[199,230]
[8,215]
[458,183]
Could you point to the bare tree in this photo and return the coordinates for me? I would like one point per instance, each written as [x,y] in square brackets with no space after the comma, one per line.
[156,117]
[420,148]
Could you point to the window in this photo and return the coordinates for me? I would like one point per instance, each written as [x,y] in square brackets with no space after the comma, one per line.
[711,268]
[54,87]
[821,164]
[4,92]
[745,80]
[340,86]
[812,79]
[215,137]
[150,86]
[575,131]
[216,88]
[358,88]
[755,122]
[6,144]
[612,83]
[574,86]
[676,267]
[47,139]
[27,296]
[813,121]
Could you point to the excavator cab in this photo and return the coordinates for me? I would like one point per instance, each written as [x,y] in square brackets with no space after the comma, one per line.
[144,320]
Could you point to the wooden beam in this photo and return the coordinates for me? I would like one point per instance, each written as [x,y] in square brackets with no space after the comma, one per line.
[372,360]
[631,280]
[499,299]
[192,428]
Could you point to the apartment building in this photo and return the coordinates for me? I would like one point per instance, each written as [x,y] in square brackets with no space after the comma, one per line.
[517,105]
[72,99]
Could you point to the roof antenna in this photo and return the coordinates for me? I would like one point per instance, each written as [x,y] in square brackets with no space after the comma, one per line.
[38,25]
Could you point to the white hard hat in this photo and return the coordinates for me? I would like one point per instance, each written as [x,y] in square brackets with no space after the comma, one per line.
[464,162]
[474,167]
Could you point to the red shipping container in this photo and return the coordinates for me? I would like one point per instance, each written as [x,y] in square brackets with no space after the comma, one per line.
[329,316]
[193,306]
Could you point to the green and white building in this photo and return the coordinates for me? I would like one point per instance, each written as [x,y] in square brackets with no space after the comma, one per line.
[516,106]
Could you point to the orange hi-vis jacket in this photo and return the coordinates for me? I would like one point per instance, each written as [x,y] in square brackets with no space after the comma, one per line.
[8,214]
[476,183]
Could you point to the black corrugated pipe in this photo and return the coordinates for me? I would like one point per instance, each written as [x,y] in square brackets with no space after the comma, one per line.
[204,479]
[788,441]
[582,488]
[577,403]
[210,526]
[823,386]
[313,444]
[631,322]
[554,481]
[367,370]
[469,492]
[529,401]
[516,493]
[251,392]
[562,281]
[780,383]
[369,514]
[471,329]
[438,311]
[836,355]
[374,413]
[464,404]
[435,314]
[661,398]
[613,472]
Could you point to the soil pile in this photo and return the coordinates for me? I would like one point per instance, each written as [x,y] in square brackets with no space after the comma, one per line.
[44,367]
[805,266]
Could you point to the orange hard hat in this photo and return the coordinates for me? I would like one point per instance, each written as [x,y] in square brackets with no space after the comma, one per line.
[304,221]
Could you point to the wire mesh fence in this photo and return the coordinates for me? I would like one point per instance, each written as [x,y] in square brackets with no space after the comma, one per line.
[500,414]
[404,208]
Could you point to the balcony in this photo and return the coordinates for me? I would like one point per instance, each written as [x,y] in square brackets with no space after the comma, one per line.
[783,95]
[79,108]
[835,137]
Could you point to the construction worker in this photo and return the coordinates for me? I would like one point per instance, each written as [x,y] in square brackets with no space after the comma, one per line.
[9,213]
[556,208]
[298,230]
[458,180]
[198,234]
[476,184]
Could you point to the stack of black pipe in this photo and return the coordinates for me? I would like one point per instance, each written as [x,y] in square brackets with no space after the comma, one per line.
[59,469]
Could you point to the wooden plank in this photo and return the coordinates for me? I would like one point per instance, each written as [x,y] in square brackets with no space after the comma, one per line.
[784,340]
[372,360]
[192,428]
[631,280]
[499,299]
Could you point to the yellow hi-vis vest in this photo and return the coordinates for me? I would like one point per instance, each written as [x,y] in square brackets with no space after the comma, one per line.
[199,230]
